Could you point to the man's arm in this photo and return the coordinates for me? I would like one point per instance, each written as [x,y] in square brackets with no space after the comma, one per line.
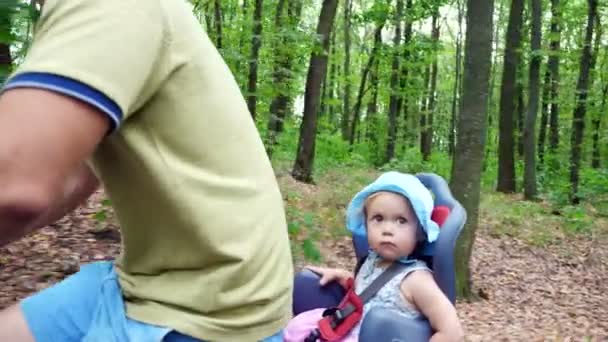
[45,138]
[77,188]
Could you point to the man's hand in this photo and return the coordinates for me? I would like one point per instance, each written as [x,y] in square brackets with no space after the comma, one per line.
[331,274]
[45,138]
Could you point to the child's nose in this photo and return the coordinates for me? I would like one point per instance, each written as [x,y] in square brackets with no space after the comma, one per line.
[387,228]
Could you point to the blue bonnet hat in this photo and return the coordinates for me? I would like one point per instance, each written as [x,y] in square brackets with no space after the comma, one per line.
[404,184]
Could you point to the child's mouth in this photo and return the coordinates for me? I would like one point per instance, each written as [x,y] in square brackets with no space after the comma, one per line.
[388,245]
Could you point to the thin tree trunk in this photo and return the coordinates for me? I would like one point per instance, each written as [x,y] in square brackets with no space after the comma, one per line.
[394,86]
[521,109]
[278,104]
[208,19]
[325,93]
[595,157]
[595,118]
[281,75]
[347,86]
[508,95]
[333,70]
[405,75]
[372,116]
[426,78]
[457,79]
[366,70]
[530,189]
[372,105]
[426,133]
[544,116]
[302,169]
[578,118]
[256,43]
[466,169]
[324,85]
[218,23]
[230,11]
[496,42]
[245,29]
[554,47]
[5,62]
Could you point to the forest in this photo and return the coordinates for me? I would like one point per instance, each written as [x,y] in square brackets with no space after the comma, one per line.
[507,100]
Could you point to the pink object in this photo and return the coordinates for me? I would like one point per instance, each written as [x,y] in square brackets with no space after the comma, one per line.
[298,329]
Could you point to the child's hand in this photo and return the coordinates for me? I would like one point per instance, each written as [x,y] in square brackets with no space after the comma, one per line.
[331,274]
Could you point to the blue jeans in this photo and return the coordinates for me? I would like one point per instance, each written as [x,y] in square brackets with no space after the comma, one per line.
[73,310]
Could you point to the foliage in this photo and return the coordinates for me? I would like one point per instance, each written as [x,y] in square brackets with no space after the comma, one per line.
[16,20]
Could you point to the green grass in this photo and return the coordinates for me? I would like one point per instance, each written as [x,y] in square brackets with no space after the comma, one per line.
[537,223]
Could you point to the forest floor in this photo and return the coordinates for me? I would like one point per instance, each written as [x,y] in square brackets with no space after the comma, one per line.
[534,278]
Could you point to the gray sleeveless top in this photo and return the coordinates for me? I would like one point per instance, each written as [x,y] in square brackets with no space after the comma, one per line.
[389,296]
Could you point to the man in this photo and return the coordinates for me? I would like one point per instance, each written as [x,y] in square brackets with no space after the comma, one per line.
[133,93]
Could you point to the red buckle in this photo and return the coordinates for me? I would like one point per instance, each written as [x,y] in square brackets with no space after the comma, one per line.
[333,327]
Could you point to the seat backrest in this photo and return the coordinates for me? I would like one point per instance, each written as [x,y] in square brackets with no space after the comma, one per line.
[449,214]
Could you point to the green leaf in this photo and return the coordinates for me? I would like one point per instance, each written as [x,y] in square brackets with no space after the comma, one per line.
[100,216]
[293,228]
[308,220]
[311,252]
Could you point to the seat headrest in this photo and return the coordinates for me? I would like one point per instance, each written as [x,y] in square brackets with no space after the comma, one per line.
[440,214]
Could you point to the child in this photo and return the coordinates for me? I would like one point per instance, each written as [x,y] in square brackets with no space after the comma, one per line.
[394,213]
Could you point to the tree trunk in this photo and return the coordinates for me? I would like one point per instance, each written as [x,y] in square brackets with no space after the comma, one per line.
[281,75]
[326,90]
[256,43]
[244,29]
[302,169]
[530,191]
[333,70]
[372,104]
[491,100]
[466,169]
[554,48]
[426,137]
[544,116]
[372,116]
[218,23]
[6,37]
[404,101]
[521,109]
[366,70]
[578,117]
[424,100]
[508,95]
[5,61]
[208,19]
[327,82]
[595,156]
[394,86]
[279,102]
[457,78]
[595,123]
[347,86]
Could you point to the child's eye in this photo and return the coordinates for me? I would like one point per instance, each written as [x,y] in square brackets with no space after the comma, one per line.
[402,220]
[377,218]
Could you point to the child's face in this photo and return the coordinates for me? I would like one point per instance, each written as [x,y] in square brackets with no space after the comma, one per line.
[391,225]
